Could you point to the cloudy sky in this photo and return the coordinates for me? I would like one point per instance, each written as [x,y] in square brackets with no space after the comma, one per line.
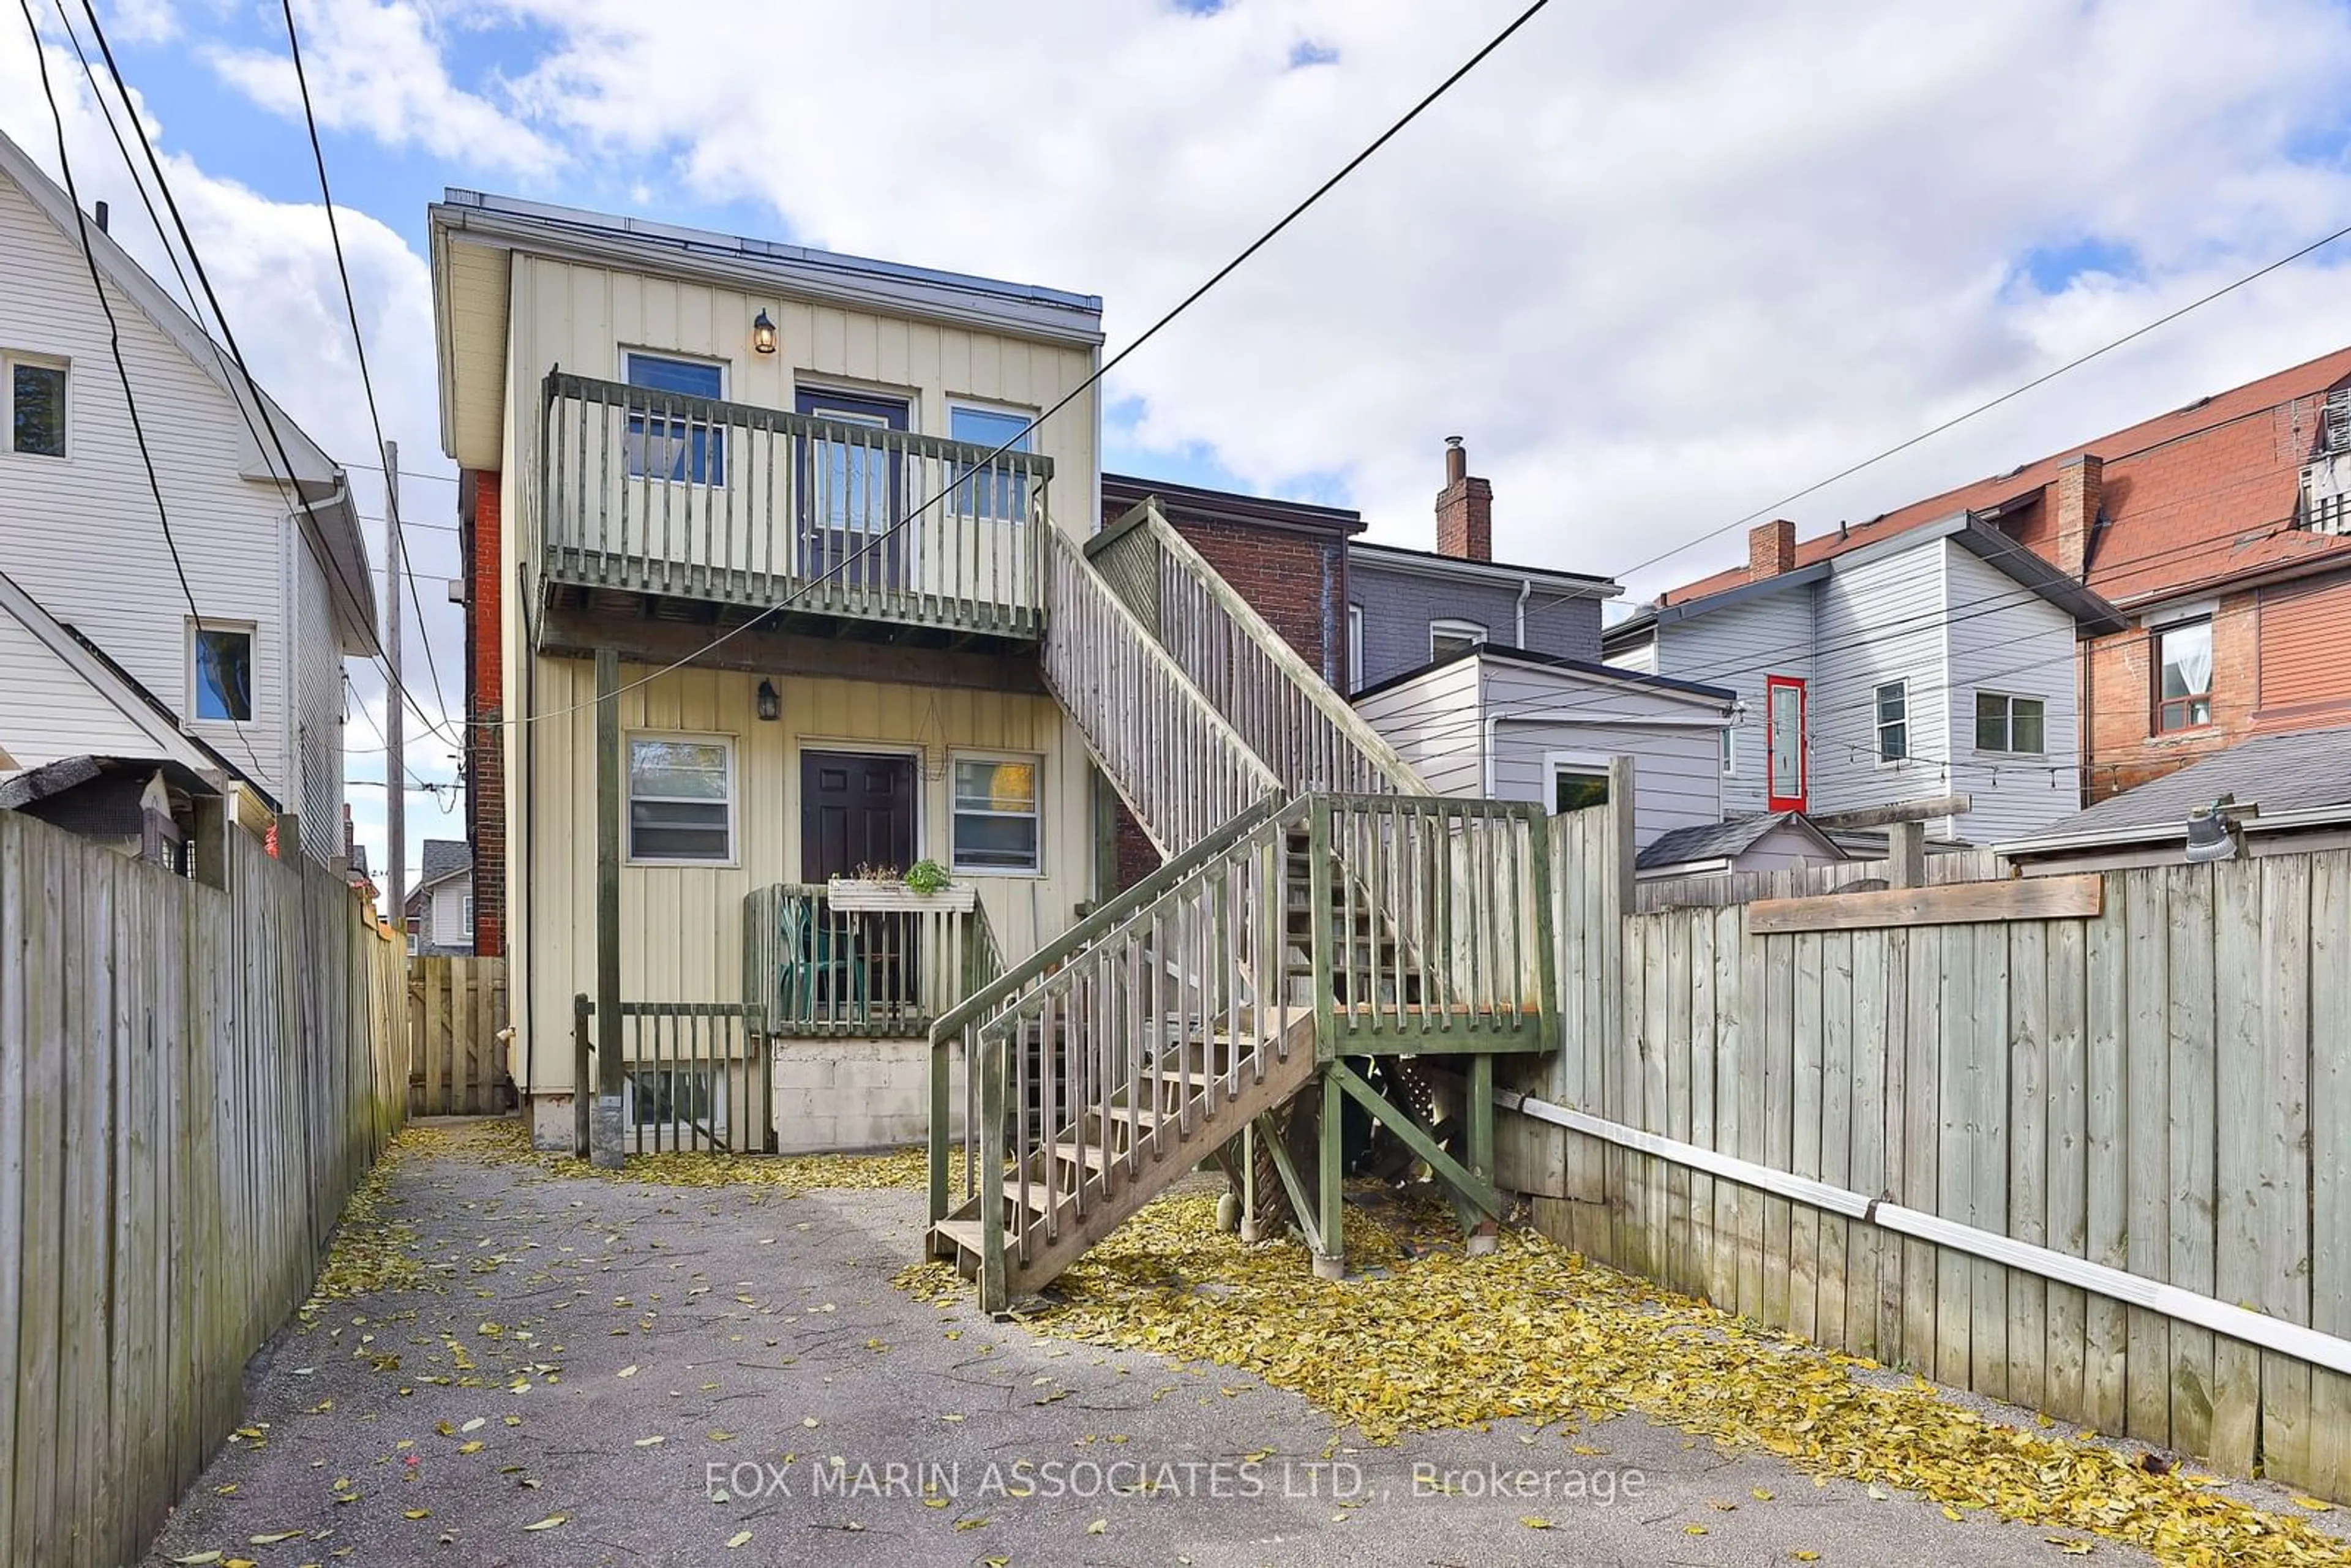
[1661,263]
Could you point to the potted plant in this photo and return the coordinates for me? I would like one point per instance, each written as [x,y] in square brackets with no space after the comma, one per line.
[925,884]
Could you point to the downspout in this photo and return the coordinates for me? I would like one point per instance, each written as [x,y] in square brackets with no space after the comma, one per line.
[1526,587]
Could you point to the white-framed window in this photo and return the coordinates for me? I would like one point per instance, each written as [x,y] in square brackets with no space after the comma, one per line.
[220,672]
[1891,705]
[1355,647]
[672,440]
[1730,751]
[466,904]
[34,405]
[1573,781]
[2005,723]
[2183,676]
[997,815]
[682,799]
[1000,494]
[1447,638]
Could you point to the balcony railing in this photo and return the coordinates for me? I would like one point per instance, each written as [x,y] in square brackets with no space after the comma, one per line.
[657,492]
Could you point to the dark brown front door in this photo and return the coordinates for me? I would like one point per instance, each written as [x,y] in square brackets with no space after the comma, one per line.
[856,811]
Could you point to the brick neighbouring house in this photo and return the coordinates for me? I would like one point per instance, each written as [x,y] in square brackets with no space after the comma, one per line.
[2220,529]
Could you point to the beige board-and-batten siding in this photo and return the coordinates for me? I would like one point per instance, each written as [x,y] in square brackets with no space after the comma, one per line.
[681,926]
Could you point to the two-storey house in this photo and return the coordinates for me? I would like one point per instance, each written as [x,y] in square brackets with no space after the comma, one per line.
[155,651]
[812,668]
[1935,664]
[2220,534]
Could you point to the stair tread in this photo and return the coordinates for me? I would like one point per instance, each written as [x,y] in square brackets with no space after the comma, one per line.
[962,1232]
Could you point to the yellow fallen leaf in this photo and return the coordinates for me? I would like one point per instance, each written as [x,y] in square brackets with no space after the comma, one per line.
[272,1539]
[1805,1556]
[228,1491]
[1953,1514]
[808,1420]
[549,1522]
[1533,1523]
[194,1558]
[2316,1505]
[472,1447]
[650,1442]
[1693,1530]
[415,1513]
[962,1524]
[1760,1494]
[722,1437]
[740,1538]
[630,1371]
[1098,1527]
[475,1424]
[934,1503]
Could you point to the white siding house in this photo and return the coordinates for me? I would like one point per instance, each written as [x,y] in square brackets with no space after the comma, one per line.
[1506,725]
[1868,674]
[275,568]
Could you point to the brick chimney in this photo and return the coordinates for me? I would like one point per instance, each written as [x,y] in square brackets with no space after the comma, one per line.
[2074,499]
[1772,548]
[1465,509]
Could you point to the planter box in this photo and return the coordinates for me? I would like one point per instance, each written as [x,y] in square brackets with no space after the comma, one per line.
[881,897]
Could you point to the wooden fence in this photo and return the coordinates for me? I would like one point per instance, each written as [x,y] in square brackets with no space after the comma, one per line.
[2163,1088]
[191,1082]
[456,1063]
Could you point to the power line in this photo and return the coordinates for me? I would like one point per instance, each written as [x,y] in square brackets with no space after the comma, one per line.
[1985,407]
[359,342]
[122,370]
[876,539]
[359,593]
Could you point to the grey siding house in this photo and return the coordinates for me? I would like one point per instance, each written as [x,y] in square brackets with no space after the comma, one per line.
[1936,662]
[1408,607]
[1505,724]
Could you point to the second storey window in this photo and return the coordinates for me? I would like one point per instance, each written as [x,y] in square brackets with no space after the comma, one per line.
[220,666]
[672,441]
[1000,494]
[2010,723]
[2183,676]
[1447,638]
[36,394]
[682,799]
[1892,705]
[996,815]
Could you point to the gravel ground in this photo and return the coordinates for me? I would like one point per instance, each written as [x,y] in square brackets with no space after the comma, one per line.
[715,1375]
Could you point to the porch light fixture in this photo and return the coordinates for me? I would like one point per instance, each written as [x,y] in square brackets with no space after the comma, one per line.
[771,707]
[763,333]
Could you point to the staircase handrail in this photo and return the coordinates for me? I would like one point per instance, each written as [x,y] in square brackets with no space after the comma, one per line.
[1388,765]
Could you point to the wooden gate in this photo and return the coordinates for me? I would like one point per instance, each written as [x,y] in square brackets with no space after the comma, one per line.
[456,1063]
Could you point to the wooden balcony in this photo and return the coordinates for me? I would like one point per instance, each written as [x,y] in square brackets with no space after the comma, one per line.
[688,506]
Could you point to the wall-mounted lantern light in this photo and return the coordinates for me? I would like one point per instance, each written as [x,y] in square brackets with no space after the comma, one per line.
[763,333]
[771,707]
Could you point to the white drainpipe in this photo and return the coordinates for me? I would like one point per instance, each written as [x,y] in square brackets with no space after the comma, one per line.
[1526,586]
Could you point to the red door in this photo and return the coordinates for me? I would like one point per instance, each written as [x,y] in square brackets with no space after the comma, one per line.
[1783,743]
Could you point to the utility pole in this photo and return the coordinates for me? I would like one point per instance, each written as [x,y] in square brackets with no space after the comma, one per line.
[395,769]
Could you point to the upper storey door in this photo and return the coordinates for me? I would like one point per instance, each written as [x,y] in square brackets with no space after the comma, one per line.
[853,491]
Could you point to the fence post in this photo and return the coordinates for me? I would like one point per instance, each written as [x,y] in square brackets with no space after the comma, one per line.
[604,1130]
[580,1009]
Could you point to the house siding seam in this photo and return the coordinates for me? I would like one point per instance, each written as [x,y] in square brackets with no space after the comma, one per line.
[1397,607]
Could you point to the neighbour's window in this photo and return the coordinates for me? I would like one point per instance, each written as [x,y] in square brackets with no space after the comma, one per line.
[220,661]
[1447,638]
[2010,723]
[1001,492]
[1893,704]
[672,440]
[1730,751]
[1355,647]
[35,391]
[2183,666]
[996,815]
[1575,785]
[682,799]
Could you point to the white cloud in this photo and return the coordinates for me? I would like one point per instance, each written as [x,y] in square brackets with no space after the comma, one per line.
[376,67]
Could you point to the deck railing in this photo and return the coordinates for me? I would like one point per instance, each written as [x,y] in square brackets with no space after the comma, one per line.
[694,1076]
[1283,710]
[658,492]
[814,969]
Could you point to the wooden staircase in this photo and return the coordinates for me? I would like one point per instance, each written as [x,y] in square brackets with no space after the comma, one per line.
[1318,901]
